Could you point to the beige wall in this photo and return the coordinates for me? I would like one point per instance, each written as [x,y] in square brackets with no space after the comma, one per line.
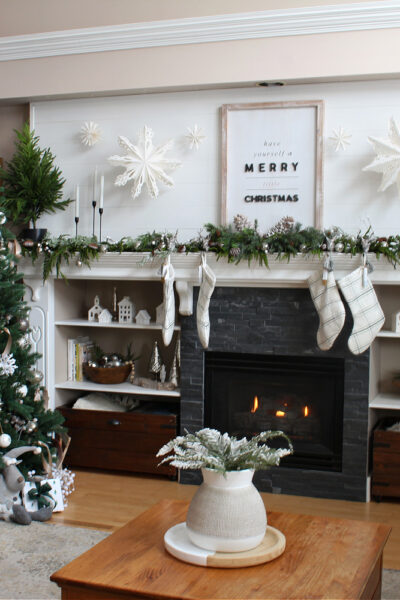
[11,117]
[33,16]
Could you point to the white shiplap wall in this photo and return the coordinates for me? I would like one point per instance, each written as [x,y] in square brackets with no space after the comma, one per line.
[350,196]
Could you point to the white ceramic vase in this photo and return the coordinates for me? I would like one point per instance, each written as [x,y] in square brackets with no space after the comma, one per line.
[227,513]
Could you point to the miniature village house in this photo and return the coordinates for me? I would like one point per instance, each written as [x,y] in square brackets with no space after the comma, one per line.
[94,312]
[126,310]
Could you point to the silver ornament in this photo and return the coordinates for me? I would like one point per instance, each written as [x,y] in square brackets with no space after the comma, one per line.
[103,248]
[3,218]
[78,263]
[5,439]
[39,248]
[384,244]
[339,247]
[265,247]
[36,376]
[23,324]
[303,248]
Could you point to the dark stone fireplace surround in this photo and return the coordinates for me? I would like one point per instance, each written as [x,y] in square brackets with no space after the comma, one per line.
[282,322]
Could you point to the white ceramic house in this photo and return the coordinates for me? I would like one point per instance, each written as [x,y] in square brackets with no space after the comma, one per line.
[126,310]
[94,312]
[396,322]
[143,317]
[105,316]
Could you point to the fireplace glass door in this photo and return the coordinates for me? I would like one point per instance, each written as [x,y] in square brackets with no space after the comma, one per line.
[302,396]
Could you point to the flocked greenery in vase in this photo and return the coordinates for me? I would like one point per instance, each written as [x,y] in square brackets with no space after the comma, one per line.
[227,513]
[33,184]
[208,448]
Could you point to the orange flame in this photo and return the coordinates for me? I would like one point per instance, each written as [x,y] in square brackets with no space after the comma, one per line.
[280,413]
[255,404]
[306,411]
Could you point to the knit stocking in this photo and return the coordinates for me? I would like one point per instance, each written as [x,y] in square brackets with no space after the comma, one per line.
[329,307]
[365,308]
[207,286]
[168,277]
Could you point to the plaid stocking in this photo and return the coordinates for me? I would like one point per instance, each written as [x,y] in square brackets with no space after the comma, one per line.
[329,307]
[207,286]
[365,308]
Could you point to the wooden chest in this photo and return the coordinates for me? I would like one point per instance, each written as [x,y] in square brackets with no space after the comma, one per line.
[386,460]
[124,441]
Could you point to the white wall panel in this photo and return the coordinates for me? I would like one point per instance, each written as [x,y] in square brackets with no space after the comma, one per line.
[350,196]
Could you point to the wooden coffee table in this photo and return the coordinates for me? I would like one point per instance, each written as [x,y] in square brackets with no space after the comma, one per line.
[324,558]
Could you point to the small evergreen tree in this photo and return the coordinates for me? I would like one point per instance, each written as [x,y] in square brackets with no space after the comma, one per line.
[32,183]
[24,420]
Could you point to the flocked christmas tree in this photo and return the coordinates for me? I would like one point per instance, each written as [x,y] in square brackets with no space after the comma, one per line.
[24,419]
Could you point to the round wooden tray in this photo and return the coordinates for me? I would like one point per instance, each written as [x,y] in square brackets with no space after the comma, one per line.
[177,542]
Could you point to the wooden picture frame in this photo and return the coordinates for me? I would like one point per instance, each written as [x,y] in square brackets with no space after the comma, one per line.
[272,162]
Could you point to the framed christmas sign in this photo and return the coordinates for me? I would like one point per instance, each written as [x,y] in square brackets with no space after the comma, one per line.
[272,162]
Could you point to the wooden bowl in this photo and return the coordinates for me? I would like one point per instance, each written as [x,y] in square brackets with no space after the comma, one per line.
[107,374]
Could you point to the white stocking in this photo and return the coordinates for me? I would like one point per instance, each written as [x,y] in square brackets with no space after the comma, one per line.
[168,277]
[329,307]
[207,286]
[365,308]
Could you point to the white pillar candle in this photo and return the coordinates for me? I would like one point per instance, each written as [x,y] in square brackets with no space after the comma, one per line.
[77,202]
[101,191]
[95,185]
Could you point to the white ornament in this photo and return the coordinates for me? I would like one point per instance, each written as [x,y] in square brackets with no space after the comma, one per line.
[340,139]
[126,310]
[5,440]
[90,134]
[7,364]
[195,137]
[21,390]
[387,160]
[94,312]
[143,317]
[144,164]
[105,316]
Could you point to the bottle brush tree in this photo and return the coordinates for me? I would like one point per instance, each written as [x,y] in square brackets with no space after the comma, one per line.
[24,417]
[32,183]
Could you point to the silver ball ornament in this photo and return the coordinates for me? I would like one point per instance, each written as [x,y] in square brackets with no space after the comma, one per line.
[5,440]
[339,247]
[23,324]
[303,248]
[36,376]
[78,263]
[3,218]
[384,244]
[103,248]
[265,247]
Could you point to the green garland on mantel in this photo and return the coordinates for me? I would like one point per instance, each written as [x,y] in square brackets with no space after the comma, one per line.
[284,240]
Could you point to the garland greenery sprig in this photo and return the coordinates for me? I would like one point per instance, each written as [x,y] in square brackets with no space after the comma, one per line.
[237,242]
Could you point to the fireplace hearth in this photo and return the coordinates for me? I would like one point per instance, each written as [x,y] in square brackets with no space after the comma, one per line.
[268,329]
[245,394]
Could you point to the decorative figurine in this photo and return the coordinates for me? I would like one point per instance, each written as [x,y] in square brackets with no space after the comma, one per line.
[126,310]
[143,317]
[94,312]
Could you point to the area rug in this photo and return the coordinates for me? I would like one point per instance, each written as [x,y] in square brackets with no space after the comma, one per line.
[29,555]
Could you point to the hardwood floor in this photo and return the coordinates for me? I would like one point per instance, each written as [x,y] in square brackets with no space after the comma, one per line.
[109,500]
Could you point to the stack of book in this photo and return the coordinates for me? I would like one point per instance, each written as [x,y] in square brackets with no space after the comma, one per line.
[79,352]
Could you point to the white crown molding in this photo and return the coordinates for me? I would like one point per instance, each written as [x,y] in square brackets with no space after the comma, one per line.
[382,14]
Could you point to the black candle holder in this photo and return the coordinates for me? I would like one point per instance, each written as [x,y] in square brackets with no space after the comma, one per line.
[94,214]
[76,226]
[101,210]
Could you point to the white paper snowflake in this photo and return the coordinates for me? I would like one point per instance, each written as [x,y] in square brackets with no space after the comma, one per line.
[90,134]
[387,160]
[144,164]
[195,137]
[7,364]
[340,139]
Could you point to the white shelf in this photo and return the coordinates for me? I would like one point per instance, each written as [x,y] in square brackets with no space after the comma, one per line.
[113,325]
[391,401]
[388,334]
[118,388]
